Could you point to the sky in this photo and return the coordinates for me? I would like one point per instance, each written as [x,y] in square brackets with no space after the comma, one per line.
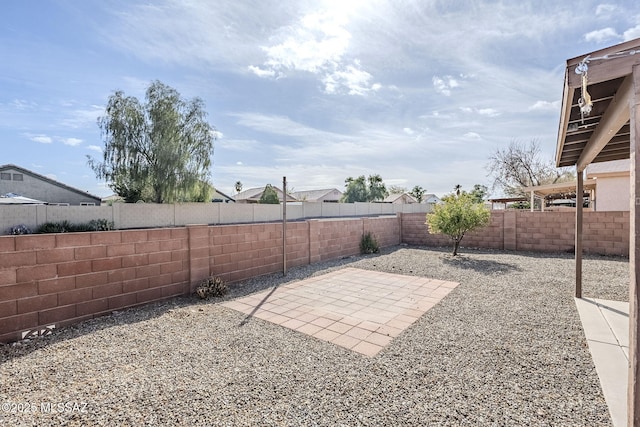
[421,92]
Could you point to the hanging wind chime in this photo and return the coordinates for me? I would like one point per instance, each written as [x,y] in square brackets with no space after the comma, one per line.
[584,102]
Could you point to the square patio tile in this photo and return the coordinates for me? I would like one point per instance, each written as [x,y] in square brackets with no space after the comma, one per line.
[360,310]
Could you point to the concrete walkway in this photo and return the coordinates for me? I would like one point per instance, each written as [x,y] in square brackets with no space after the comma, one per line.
[360,310]
[606,327]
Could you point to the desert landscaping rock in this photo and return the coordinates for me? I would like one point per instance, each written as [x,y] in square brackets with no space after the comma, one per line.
[505,347]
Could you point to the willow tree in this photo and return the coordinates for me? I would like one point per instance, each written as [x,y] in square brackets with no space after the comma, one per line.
[159,151]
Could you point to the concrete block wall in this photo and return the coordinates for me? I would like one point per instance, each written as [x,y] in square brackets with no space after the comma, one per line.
[59,279]
[603,232]
[64,278]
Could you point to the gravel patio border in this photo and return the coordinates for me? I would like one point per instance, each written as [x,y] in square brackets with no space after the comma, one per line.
[505,347]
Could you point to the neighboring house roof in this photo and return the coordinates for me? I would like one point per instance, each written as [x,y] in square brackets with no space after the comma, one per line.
[399,198]
[430,198]
[324,195]
[16,199]
[50,181]
[252,195]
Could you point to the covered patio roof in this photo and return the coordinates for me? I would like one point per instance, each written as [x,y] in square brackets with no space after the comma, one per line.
[600,121]
[561,187]
[604,133]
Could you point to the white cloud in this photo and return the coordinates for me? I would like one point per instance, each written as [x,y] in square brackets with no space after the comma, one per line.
[316,41]
[631,33]
[444,84]
[94,148]
[43,139]
[601,36]
[605,9]
[52,176]
[472,136]
[21,104]
[408,131]
[261,72]
[352,80]
[239,163]
[545,106]
[84,118]
[71,141]
[489,112]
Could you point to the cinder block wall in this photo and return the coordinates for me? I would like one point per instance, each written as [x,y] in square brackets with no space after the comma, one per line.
[58,279]
[64,278]
[603,232]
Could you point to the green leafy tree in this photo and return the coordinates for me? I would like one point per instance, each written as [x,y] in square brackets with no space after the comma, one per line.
[159,151]
[269,196]
[457,216]
[418,193]
[377,189]
[479,193]
[364,189]
[356,190]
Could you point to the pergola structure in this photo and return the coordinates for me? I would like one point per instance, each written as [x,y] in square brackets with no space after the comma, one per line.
[600,121]
[547,190]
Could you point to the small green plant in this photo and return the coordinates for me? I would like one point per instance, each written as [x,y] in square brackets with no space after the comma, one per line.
[19,229]
[66,227]
[211,287]
[56,227]
[101,225]
[369,244]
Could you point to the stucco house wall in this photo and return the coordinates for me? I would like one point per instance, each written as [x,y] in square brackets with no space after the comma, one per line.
[612,194]
[14,179]
[612,185]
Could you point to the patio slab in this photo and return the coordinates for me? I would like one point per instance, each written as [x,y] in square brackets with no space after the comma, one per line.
[361,310]
[606,327]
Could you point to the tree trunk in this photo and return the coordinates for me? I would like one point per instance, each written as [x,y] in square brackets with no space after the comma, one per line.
[456,245]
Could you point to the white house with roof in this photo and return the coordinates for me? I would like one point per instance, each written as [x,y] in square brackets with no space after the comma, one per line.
[327,195]
[23,182]
[400,199]
[253,195]
[431,199]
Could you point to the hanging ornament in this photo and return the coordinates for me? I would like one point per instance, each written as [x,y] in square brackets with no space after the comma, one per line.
[584,102]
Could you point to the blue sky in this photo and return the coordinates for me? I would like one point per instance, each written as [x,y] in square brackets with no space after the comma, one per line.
[420,92]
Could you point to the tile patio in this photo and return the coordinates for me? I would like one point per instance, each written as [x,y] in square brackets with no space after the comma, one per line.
[360,310]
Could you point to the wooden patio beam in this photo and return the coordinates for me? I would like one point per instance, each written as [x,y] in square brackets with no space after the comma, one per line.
[614,118]
[633,387]
[578,236]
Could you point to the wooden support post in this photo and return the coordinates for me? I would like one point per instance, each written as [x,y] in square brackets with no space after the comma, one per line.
[633,389]
[578,245]
[284,225]
[532,200]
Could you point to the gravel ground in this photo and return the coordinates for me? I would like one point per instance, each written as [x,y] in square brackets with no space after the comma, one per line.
[504,348]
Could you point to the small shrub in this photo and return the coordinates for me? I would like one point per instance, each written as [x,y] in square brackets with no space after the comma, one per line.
[211,287]
[66,227]
[101,225]
[56,227]
[19,229]
[369,244]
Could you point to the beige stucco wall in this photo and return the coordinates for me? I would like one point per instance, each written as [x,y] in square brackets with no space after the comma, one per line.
[612,194]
